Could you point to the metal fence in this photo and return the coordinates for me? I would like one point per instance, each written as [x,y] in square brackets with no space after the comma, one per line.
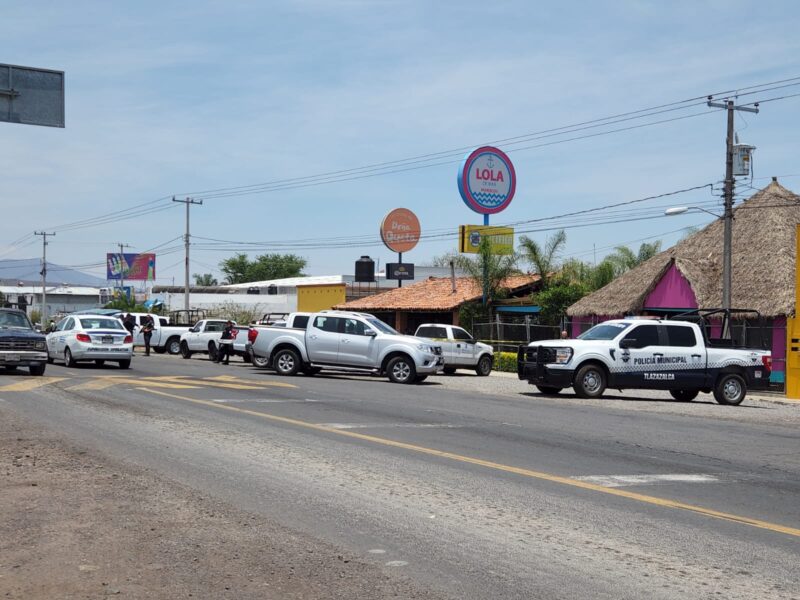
[507,337]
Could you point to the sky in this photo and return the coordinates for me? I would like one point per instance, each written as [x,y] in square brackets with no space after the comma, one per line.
[175,99]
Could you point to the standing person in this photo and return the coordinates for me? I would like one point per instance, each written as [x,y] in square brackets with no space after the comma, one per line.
[564,334]
[225,343]
[147,333]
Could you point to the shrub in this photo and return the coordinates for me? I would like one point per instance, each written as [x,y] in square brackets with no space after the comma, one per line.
[505,361]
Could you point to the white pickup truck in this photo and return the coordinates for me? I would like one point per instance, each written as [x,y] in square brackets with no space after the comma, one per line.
[643,353]
[347,341]
[295,320]
[204,338]
[166,337]
[459,348]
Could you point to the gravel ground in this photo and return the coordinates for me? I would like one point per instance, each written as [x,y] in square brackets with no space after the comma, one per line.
[75,525]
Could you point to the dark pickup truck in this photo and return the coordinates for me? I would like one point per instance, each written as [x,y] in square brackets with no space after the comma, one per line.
[20,344]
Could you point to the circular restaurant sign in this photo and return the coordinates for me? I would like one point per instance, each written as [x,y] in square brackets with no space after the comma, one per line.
[400,230]
[486,180]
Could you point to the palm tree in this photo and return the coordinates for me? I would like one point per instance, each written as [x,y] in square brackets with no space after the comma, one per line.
[206,280]
[544,260]
[624,259]
[488,270]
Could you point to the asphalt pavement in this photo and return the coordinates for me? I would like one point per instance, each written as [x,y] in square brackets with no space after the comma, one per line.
[474,487]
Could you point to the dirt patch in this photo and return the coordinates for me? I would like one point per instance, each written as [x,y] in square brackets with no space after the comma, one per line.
[75,525]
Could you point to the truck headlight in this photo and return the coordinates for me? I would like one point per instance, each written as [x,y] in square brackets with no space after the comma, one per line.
[425,348]
[39,346]
[563,355]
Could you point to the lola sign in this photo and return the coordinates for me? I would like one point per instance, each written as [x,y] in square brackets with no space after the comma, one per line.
[400,230]
[486,180]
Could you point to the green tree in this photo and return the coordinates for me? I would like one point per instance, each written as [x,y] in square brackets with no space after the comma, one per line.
[554,301]
[240,269]
[543,259]
[206,279]
[489,270]
[624,259]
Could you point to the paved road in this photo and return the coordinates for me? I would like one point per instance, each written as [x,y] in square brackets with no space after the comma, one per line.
[474,487]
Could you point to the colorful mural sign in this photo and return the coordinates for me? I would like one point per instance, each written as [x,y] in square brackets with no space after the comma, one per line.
[500,238]
[135,267]
[400,230]
[487,180]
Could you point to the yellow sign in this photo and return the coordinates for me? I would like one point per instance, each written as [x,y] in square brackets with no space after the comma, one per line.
[793,333]
[501,238]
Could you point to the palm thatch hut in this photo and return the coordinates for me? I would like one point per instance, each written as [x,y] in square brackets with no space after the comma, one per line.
[689,275]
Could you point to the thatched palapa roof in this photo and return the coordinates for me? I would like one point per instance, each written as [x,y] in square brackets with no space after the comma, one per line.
[763,263]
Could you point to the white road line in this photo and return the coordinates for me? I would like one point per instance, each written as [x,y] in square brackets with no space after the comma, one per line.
[390,425]
[628,480]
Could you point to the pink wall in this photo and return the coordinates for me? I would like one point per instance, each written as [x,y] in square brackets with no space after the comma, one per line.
[672,291]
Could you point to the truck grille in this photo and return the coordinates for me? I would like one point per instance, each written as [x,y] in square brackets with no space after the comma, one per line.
[17,344]
[539,355]
[437,350]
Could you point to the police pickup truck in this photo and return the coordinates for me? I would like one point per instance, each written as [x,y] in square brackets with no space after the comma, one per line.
[643,353]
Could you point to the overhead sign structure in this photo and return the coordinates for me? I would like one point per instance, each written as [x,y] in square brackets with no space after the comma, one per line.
[399,271]
[400,230]
[31,96]
[501,239]
[487,180]
[134,267]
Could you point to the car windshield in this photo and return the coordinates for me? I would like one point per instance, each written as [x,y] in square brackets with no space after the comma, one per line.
[381,326]
[101,323]
[14,321]
[604,331]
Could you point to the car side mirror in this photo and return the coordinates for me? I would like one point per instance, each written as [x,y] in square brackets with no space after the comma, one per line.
[370,333]
[628,343]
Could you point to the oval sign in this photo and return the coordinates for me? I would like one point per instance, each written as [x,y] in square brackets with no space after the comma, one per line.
[486,180]
[400,230]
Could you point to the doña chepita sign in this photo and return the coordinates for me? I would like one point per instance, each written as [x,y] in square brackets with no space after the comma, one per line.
[400,230]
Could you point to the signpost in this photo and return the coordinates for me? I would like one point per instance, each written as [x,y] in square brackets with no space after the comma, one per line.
[487,183]
[400,231]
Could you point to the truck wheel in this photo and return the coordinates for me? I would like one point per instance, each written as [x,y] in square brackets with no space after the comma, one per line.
[213,354]
[549,391]
[286,362]
[484,366]
[262,362]
[449,370]
[730,389]
[684,395]
[590,381]
[37,369]
[401,369]
[185,352]
[125,364]
[174,345]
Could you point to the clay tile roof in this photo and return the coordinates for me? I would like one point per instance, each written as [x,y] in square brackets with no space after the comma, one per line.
[435,293]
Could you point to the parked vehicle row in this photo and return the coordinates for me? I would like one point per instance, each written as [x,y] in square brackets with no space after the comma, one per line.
[345,341]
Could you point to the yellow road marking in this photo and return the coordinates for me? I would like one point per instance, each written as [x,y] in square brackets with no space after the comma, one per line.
[228,382]
[30,383]
[647,499]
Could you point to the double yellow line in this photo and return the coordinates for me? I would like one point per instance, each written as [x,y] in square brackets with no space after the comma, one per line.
[576,483]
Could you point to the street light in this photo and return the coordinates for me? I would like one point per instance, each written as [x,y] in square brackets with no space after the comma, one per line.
[727,218]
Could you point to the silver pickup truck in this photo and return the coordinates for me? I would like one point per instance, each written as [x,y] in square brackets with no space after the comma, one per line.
[347,341]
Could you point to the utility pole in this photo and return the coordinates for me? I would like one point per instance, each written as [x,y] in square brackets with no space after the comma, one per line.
[188,202]
[122,268]
[43,316]
[727,216]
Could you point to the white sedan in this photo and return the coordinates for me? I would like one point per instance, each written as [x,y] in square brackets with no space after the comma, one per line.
[97,338]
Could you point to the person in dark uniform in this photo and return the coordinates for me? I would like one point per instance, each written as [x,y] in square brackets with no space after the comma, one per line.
[147,332]
[225,344]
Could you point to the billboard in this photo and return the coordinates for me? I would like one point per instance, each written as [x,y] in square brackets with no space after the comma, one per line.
[501,238]
[400,230]
[136,267]
[399,271]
